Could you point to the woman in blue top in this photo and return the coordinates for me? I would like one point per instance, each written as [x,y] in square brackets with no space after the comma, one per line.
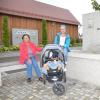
[62,38]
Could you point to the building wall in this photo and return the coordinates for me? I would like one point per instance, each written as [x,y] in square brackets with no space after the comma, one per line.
[29,23]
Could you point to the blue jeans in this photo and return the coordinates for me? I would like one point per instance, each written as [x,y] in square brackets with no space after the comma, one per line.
[65,54]
[29,68]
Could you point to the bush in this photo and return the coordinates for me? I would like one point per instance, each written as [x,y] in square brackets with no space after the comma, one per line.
[75,42]
[44,32]
[6,40]
[11,48]
[40,45]
[72,42]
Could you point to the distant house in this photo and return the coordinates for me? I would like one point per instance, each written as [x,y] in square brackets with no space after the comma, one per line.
[28,14]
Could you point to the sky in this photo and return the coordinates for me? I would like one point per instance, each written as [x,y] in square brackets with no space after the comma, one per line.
[76,7]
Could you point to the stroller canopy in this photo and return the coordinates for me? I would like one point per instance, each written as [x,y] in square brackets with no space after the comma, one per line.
[53,47]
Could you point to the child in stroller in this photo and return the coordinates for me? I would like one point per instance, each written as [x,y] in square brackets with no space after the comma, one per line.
[53,63]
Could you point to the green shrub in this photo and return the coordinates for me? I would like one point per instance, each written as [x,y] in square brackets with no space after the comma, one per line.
[40,45]
[72,42]
[6,40]
[75,42]
[44,32]
[11,48]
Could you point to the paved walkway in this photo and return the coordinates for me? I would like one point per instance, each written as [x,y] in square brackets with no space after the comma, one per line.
[9,54]
[15,87]
[16,53]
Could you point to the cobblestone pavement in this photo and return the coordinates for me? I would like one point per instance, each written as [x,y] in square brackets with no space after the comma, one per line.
[15,87]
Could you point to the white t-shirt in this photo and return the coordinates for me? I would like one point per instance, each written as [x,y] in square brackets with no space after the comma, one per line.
[62,40]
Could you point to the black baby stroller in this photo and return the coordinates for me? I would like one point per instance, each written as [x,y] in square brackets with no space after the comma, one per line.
[54,70]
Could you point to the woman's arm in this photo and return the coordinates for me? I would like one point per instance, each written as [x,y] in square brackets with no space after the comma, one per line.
[38,49]
[55,40]
[67,43]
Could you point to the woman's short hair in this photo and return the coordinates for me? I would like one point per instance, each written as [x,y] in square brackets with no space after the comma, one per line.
[25,35]
[63,26]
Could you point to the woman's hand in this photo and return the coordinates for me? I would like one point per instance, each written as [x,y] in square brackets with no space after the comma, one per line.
[29,61]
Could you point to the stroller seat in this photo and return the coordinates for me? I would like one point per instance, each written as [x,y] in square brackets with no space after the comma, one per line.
[52,67]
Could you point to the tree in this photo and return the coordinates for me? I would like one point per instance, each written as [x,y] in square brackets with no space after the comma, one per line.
[44,32]
[95,5]
[6,41]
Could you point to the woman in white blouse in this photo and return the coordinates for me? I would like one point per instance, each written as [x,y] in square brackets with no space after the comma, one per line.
[62,38]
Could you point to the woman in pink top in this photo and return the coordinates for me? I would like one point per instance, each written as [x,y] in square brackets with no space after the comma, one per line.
[28,52]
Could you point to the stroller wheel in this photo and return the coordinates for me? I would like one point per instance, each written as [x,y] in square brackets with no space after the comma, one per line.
[44,79]
[58,89]
[64,77]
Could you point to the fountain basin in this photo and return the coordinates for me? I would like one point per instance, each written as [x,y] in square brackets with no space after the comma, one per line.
[84,67]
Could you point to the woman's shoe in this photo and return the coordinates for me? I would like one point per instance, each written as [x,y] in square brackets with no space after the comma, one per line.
[40,79]
[29,80]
